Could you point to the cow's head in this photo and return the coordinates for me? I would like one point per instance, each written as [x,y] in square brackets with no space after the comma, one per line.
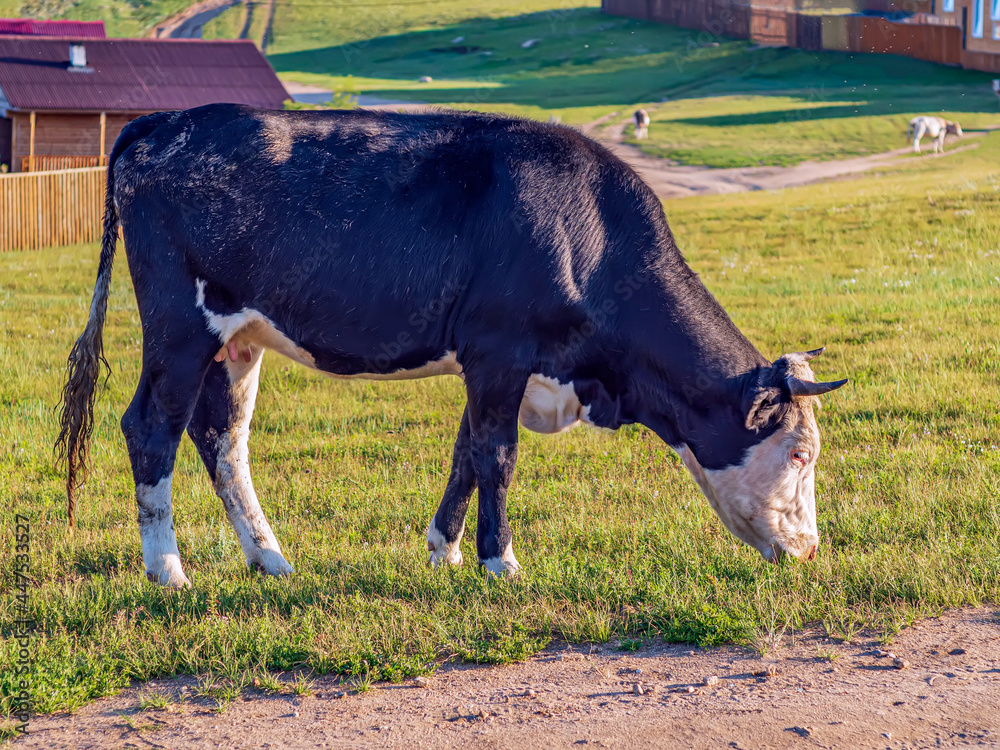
[953,128]
[766,495]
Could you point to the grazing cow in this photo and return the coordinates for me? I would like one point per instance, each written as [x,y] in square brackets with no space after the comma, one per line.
[522,257]
[936,127]
[641,118]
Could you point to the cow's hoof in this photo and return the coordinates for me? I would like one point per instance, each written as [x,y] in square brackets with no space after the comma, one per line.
[270,562]
[506,566]
[446,557]
[442,551]
[170,576]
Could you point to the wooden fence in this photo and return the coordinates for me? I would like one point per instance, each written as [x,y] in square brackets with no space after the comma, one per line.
[40,163]
[47,209]
[771,23]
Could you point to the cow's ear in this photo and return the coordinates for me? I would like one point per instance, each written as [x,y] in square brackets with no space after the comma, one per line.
[764,405]
[603,409]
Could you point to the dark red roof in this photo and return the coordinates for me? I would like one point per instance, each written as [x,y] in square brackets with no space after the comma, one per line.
[135,75]
[31,27]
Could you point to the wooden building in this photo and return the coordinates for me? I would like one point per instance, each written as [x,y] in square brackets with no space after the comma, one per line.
[952,32]
[979,21]
[63,101]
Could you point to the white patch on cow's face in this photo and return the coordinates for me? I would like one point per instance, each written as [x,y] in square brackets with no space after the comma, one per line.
[768,500]
[156,528]
[505,565]
[250,329]
[443,552]
[549,406]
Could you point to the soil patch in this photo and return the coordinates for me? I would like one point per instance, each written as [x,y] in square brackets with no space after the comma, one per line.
[938,687]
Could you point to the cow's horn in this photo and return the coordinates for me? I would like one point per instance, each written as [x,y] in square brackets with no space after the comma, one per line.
[813,353]
[806,388]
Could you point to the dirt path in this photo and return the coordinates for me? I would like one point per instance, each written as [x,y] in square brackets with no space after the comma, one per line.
[188,23]
[671,180]
[824,694]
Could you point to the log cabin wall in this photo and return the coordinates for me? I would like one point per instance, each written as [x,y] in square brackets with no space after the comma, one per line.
[63,134]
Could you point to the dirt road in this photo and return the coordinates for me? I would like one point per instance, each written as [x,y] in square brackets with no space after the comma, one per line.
[188,23]
[671,180]
[821,694]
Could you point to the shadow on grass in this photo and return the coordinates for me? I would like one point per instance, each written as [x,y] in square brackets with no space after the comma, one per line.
[579,57]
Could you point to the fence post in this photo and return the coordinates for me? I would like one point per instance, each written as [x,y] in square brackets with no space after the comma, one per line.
[31,144]
[104,129]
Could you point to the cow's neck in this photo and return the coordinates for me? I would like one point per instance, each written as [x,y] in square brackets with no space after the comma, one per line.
[694,365]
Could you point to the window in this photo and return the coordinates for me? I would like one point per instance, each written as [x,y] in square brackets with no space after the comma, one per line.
[995,12]
[977,19]
[947,6]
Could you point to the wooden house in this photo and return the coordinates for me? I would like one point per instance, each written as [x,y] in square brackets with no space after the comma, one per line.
[63,101]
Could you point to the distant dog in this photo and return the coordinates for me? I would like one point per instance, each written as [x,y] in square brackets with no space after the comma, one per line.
[641,118]
[936,127]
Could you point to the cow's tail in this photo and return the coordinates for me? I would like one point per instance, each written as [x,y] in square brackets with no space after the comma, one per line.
[87,356]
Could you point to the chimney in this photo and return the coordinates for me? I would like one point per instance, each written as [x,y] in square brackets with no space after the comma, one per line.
[77,56]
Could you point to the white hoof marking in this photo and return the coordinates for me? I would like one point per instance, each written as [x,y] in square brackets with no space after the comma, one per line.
[271,562]
[443,553]
[156,528]
[507,565]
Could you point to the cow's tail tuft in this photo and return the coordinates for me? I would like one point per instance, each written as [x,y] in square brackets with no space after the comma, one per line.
[85,362]
[76,424]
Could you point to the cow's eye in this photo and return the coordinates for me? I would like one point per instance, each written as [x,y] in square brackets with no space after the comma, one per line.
[801,458]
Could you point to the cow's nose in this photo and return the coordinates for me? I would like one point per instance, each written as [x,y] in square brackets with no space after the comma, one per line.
[812,553]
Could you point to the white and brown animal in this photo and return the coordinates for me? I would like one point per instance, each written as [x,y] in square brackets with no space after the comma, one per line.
[641,118]
[935,127]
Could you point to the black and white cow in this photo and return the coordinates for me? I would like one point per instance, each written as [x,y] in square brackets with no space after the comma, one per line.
[522,257]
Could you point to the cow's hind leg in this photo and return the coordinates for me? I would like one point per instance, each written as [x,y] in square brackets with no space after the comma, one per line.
[445,532]
[153,426]
[220,428]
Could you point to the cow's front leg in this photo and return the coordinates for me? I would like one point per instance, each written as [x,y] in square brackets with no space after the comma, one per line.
[493,411]
[444,535]
[220,428]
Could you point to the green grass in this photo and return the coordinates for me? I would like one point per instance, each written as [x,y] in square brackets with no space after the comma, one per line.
[714,101]
[227,25]
[783,130]
[730,104]
[898,275]
[122,18]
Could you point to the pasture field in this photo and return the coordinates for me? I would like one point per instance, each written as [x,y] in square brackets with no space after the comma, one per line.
[730,103]
[122,18]
[898,275]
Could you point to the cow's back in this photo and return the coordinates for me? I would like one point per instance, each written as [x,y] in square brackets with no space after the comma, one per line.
[346,227]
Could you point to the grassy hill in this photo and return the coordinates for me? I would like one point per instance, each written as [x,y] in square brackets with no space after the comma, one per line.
[729,103]
[122,18]
[714,101]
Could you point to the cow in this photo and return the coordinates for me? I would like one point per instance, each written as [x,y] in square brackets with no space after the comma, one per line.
[936,127]
[522,257]
[641,118]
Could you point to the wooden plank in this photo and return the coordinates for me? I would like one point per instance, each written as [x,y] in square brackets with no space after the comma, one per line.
[31,146]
